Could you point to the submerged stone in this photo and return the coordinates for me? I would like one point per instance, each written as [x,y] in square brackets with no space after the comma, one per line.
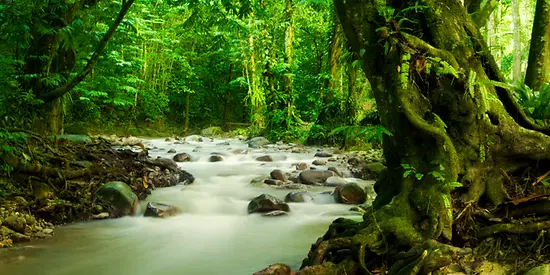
[314,176]
[182,157]
[298,197]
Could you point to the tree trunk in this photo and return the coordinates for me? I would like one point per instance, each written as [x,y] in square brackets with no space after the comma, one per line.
[61,61]
[538,67]
[447,126]
[328,111]
[516,69]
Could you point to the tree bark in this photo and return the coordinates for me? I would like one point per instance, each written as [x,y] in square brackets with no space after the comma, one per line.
[429,88]
[538,68]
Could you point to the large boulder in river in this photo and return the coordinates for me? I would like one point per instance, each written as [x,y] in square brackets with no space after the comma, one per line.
[119,197]
[314,176]
[258,142]
[182,157]
[350,193]
[266,203]
[160,210]
[298,197]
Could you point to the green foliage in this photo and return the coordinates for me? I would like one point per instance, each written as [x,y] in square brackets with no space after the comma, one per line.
[440,66]
[536,104]
[367,133]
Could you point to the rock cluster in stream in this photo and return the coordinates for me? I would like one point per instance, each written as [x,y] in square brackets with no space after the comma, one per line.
[132,176]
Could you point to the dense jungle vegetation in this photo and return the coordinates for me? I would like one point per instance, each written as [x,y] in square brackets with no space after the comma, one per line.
[457,93]
[284,69]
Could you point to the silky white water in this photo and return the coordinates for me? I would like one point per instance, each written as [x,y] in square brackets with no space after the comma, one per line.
[214,235]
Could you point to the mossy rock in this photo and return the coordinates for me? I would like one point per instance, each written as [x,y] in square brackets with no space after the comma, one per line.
[119,197]
[73,138]
[213,131]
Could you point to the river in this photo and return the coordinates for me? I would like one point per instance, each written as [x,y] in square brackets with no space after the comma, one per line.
[214,235]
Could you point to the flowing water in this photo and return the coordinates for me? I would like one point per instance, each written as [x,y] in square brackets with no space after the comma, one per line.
[214,235]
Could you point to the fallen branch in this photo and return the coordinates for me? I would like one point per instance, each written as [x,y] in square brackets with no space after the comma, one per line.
[513,228]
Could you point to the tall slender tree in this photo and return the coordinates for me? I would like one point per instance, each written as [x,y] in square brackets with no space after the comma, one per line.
[538,67]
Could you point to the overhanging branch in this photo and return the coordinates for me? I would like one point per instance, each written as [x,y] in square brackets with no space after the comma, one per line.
[481,16]
[50,96]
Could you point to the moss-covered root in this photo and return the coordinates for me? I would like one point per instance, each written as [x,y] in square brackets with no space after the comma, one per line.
[427,257]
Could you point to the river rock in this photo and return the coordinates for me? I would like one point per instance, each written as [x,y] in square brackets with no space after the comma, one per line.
[335,181]
[257,180]
[119,197]
[185,178]
[293,178]
[171,151]
[298,197]
[266,203]
[314,176]
[212,131]
[101,216]
[273,182]
[323,154]
[165,163]
[266,158]
[275,213]
[215,158]
[319,162]
[16,223]
[293,186]
[275,269]
[350,193]
[182,157]
[225,143]
[168,139]
[301,166]
[539,270]
[258,142]
[240,151]
[194,138]
[277,174]
[160,210]
[336,171]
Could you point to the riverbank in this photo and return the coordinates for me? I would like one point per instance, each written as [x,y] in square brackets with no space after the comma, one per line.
[56,182]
